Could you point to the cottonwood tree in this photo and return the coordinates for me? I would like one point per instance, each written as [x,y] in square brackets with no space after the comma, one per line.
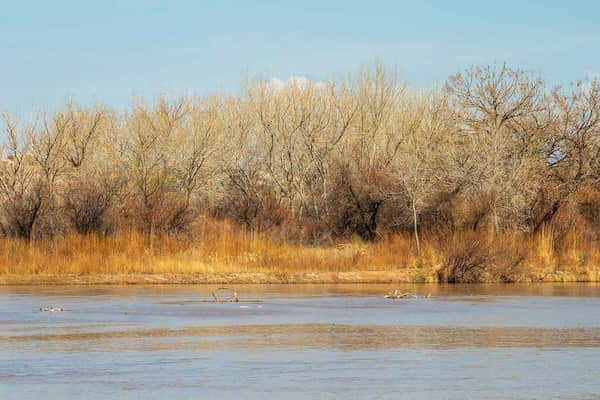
[281,113]
[22,190]
[149,157]
[492,105]
[364,156]
[321,133]
[301,124]
[249,192]
[171,152]
[81,127]
[198,139]
[48,145]
[421,151]
[92,178]
[572,152]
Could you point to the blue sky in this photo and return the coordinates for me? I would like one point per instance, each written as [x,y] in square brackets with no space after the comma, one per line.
[112,51]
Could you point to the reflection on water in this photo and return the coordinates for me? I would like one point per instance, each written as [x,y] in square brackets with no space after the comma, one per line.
[315,337]
[312,290]
[301,341]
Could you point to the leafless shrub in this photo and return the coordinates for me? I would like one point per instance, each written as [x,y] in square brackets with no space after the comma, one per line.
[22,211]
[466,260]
[250,202]
[87,202]
[354,207]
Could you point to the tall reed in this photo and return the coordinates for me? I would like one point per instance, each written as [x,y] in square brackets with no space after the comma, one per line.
[221,247]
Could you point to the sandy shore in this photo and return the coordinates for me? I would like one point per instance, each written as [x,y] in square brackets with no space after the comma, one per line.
[402,276]
[394,276]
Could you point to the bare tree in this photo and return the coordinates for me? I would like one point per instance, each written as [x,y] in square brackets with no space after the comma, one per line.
[492,105]
[420,163]
[365,155]
[22,190]
[81,129]
[572,151]
[199,139]
[149,156]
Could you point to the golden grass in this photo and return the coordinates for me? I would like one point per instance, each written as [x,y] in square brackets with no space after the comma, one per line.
[219,247]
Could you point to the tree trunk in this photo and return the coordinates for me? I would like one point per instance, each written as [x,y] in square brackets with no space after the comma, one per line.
[368,226]
[416,227]
[496,222]
[548,215]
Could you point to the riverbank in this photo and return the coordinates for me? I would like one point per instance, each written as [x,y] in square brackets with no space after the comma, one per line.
[223,254]
[361,277]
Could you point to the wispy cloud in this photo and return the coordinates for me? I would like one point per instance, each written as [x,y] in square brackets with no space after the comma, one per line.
[298,81]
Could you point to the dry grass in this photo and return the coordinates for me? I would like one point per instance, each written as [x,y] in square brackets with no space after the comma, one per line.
[215,248]
[219,247]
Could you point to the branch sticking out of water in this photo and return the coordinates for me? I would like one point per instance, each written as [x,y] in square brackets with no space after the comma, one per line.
[225,295]
[397,294]
[51,309]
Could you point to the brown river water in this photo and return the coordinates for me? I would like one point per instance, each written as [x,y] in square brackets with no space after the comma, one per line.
[301,342]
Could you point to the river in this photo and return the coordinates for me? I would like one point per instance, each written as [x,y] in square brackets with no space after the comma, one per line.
[301,342]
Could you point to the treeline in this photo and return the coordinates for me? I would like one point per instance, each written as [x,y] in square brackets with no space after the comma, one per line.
[494,149]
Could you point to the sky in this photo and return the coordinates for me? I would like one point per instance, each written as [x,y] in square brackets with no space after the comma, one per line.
[112,52]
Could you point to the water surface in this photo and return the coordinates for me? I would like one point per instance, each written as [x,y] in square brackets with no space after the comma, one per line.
[301,342]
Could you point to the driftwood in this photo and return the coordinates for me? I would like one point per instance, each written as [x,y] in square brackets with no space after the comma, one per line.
[397,294]
[219,296]
[225,295]
[51,309]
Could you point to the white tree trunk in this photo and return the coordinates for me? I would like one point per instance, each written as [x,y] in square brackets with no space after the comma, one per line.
[416,227]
